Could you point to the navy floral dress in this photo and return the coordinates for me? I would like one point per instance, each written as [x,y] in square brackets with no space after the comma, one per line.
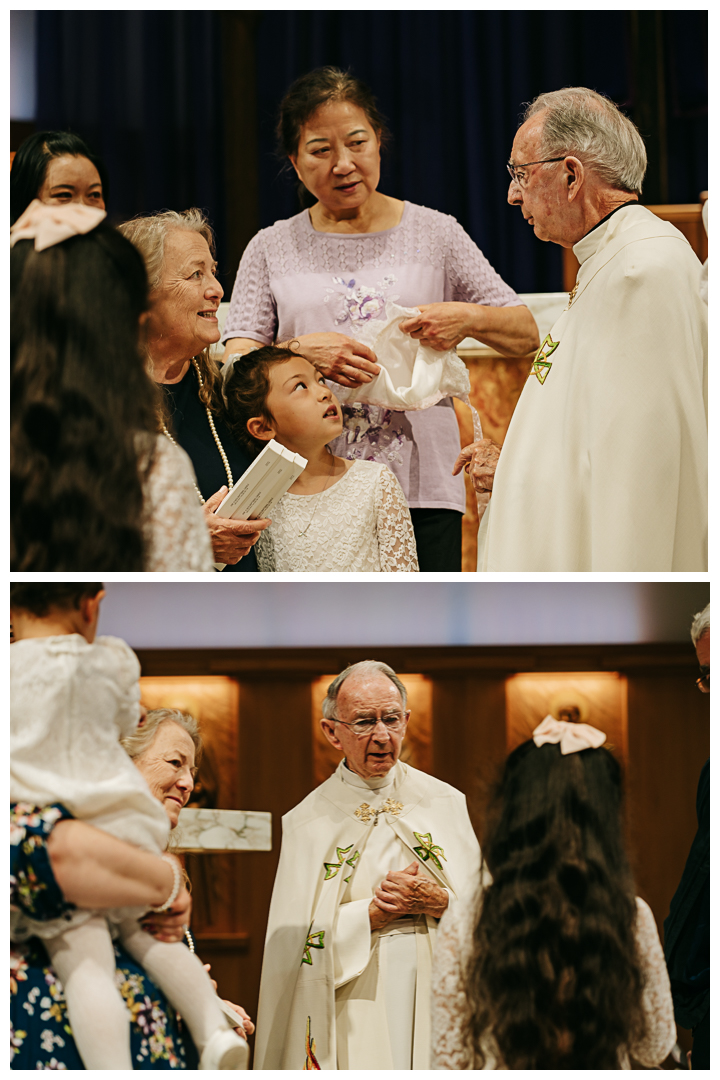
[40,1034]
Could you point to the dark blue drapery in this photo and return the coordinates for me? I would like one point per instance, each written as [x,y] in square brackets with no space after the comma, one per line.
[145,88]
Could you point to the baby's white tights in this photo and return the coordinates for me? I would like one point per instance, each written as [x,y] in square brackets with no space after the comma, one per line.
[84,961]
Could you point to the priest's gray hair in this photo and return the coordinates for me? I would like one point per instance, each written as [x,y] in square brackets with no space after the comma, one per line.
[700,624]
[588,126]
[364,667]
[144,736]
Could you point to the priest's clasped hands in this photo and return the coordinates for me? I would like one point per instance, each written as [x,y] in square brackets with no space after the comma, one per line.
[406,892]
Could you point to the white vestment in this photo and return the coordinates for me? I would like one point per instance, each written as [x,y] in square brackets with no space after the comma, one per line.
[335,994]
[604,467]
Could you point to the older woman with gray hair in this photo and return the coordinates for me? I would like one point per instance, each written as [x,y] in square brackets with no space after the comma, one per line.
[179,253]
[604,466]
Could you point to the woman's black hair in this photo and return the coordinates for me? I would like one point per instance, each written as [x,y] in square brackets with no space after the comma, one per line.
[82,406]
[306,95]
[30,163]
[553,977]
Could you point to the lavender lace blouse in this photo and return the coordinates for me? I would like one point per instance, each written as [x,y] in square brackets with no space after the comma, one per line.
[293,280]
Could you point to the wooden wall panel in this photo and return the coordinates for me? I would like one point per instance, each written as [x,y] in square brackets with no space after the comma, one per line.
[469,723]
[668,744]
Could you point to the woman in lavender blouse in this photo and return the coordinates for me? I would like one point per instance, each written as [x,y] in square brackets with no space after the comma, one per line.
[319,276]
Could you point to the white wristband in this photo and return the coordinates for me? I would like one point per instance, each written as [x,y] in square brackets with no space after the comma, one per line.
[177,883]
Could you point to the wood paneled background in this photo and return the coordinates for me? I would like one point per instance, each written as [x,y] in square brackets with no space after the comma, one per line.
[262,742]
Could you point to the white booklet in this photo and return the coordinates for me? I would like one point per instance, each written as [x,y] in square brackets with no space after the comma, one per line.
[262,485]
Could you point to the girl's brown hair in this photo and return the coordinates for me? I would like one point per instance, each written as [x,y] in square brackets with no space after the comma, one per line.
[245,392]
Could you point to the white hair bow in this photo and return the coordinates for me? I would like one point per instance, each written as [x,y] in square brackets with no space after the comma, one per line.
[48,225]
[572,737]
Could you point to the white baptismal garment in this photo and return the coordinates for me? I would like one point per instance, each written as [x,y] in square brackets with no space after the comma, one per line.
[454,944]
[412,376]
[70,703]
[604,466]
[335,994]
[360,524]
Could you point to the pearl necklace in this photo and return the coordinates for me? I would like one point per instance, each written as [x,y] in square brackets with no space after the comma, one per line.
[216,437]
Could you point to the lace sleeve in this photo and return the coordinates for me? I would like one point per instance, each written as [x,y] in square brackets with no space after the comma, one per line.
[176,536]
[657,1002]
[448,1050]
[394,525]
[265,552]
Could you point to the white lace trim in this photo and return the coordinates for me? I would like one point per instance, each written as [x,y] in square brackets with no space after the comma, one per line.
[176,535]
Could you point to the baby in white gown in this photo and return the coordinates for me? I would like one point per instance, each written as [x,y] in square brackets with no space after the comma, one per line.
[339,515]
[73,696]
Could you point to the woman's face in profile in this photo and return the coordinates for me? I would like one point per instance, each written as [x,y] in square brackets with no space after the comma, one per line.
[70,179]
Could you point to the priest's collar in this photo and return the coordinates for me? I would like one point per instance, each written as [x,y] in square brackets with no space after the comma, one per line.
[601,233]
[630,202]
[374,784]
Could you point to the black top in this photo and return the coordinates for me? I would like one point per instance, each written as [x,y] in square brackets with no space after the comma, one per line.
[190,427]
[687,927]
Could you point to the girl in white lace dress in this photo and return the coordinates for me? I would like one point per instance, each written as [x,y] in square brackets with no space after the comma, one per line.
[339,515]
[556,964]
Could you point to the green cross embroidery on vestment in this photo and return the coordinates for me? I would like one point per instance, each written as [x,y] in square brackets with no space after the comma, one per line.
[541,365]
[313,941]
[427,850]
[332,868]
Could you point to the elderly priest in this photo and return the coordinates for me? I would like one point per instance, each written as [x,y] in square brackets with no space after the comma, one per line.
[604,467]
[370,860]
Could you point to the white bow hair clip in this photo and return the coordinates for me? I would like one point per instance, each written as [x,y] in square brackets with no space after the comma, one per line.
[572,737]
[48,225]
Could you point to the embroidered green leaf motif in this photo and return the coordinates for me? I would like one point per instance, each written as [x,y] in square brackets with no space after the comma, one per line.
[427,850]
[332,868]
[313,941]
[352,863]
[541,365]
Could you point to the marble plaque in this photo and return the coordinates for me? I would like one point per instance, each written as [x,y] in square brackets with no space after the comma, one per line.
[223,830]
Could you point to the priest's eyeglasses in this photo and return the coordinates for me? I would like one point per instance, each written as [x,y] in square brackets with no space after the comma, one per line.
[393,722]
[519,177]
[703,683]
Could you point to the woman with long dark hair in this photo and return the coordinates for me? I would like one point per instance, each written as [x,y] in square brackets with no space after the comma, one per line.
[56,167]
[556,964]
[94,486]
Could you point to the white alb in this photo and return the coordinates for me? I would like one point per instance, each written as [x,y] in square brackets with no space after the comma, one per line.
[359,525]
